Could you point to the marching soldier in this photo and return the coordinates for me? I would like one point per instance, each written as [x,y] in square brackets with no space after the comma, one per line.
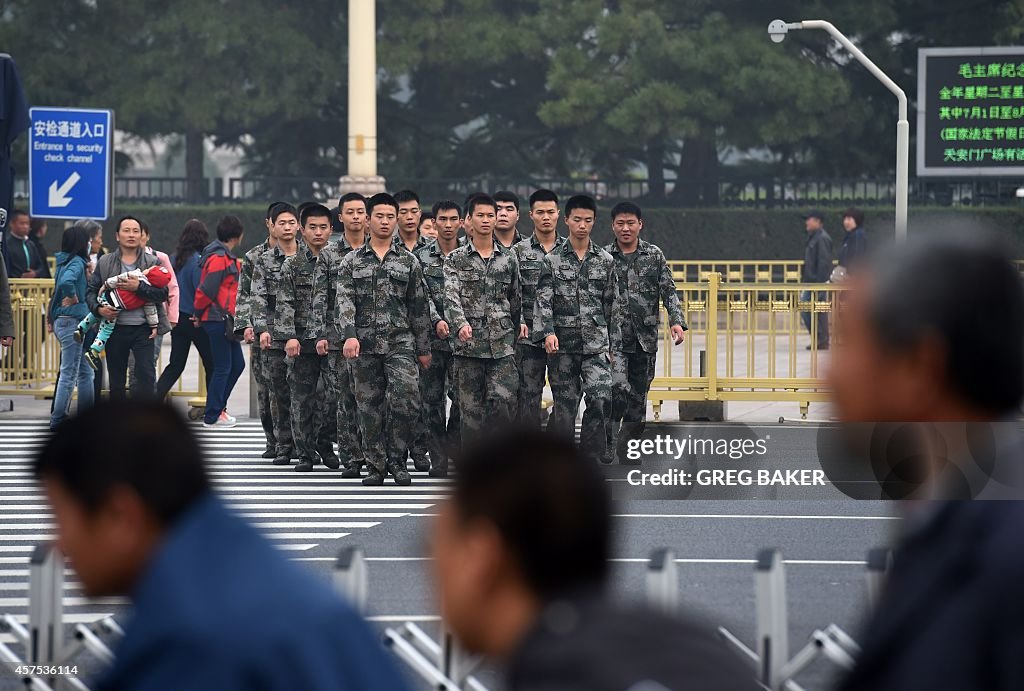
[505,230]
[265,401]
[434,379]
[382,304]
[409,212]
[643,277]
[313,421]
[266,277]
[483,303]
[576,302]
[531,359]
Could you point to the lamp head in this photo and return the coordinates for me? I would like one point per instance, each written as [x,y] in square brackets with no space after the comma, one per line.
[777,30]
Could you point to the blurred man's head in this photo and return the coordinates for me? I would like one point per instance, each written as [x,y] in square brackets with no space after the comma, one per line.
[932,331]
[853,218]
[814,221]
[528,522]
[19,223]
[115,497]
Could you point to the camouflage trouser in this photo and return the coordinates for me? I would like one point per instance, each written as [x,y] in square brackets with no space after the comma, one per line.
[632,374]
[433,391]
[276,367]
[488,390]
[314,410]
[386,384]
[532,363]
[266,403]
[350,448]
[572,374]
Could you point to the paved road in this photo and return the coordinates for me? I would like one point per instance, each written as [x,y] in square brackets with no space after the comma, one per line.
[312,516]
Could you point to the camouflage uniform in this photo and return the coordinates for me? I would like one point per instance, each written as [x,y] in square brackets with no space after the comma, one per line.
[531,358]
[434,381]
[314,411]
[262,305]
[383,303]
[643,277]
[576,301]
[486,295]
[517,237]
[266,403]
[421,242]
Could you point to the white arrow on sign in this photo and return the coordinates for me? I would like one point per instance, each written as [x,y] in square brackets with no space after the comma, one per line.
[58,195]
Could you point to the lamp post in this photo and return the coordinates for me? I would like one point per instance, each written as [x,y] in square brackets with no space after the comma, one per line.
[778,29]
[362,174]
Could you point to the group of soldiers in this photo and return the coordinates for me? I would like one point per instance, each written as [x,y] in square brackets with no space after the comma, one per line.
[361,337]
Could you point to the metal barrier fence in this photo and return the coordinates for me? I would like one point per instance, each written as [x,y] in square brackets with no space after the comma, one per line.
[31,365]
[749,270]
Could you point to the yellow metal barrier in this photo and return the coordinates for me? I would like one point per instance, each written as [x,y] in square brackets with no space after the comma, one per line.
[754,344]
[748,271]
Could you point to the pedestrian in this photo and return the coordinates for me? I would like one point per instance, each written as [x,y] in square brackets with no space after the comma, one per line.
[531,360]
[933,332]
[132,334]
[645,281]
[136,515]
[577,300]
[96,248]
[67,308]
[311,385]
[383,304]
[173,297]
[23,257]
[855,240]
[434,381]
[6,310]
[505,230]
[266,402]
[184,335]
[262,306]
[483,304]
[817,269]
[214,306]
[521,557]
[36,232]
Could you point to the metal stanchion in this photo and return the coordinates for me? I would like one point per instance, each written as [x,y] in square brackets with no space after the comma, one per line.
[663,581]
[350,577]
[879,564]
[772,620]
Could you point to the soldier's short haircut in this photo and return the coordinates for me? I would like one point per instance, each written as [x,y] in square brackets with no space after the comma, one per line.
[962,290]
[543,195]
[270,208]
[314,210]
[507,197]
[406,196]
[153,452]
[580,201]
[480,200]
[446,205]
[625,208]
[351,197]
[380,199]
[283,208]
[548,502]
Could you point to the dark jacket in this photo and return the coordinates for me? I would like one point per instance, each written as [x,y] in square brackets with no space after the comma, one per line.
[69,282]
[218,284]
[6,311]
[22,256]
[855,244]
[952,614]
[609,647]
[218,607]
[44,263]
[817,257]
[110,265]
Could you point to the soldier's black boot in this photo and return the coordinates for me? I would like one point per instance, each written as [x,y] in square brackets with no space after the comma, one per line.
[399,472]
[284,457]
[351,470]
[329,458]
[269,452]
[373,477]
[305,465]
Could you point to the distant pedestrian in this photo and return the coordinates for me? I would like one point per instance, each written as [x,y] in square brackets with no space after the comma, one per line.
[214,306]
[855,240]
[36,232]
[817,269]
[185,262]
[136,515]
[6,311]
[23,257]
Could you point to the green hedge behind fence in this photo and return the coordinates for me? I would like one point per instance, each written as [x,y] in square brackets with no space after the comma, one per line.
[682,233]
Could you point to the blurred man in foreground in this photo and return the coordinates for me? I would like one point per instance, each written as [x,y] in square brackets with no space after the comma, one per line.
[521,559]
[216,606]
[934,333]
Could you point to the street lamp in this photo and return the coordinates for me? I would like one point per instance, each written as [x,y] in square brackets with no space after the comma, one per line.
[778,29]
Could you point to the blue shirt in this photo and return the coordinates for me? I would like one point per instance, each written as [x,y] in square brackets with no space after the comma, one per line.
[219,608]
[188,281]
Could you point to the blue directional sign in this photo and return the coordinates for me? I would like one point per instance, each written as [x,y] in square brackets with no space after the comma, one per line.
[70,160]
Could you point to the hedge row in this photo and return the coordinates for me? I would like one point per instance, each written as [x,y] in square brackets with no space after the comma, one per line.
[682,233]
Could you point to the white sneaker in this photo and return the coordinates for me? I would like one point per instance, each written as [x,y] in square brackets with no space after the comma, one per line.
[221,422]
[224,417]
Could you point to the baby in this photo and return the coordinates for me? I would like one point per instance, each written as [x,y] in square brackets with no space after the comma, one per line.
[112,296]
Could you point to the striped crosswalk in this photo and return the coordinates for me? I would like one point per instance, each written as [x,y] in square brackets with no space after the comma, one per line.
[302,513]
